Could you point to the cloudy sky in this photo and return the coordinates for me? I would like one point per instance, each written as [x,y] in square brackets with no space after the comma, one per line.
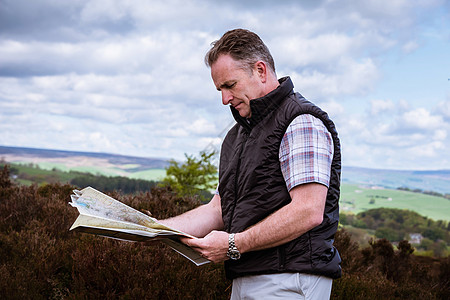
[127,77]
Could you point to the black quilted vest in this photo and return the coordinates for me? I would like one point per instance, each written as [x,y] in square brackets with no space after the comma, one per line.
[251,187]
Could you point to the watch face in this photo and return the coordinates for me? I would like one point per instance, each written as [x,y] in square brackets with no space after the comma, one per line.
[234,254]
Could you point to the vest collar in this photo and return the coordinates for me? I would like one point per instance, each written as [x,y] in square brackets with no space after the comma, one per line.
[261,107]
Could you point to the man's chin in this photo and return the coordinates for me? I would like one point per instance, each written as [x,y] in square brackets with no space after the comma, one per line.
[244,113]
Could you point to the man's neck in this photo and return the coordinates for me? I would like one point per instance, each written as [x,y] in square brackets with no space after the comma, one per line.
[272,83]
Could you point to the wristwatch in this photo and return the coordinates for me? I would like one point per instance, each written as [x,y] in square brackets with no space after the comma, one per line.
[233,251]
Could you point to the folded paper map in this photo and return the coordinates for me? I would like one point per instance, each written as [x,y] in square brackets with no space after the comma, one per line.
[103,215]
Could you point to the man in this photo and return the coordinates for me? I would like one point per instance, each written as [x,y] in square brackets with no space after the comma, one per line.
[275,214]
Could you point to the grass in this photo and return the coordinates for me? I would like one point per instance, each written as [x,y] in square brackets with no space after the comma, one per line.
[357,198]
[60,175]
[152,174]
[106,171]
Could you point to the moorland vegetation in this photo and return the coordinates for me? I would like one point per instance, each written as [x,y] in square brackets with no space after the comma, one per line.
[41,259]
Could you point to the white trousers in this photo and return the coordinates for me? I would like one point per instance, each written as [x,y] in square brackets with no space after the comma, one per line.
[282,286]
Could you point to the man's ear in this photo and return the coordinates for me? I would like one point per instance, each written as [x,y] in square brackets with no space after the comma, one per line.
[261,70]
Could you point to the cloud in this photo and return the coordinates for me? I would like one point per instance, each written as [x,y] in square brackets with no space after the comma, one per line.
[443,108]
[40,20]
[420,119]
[381,106]
[348,77]
[128,55]
[386,135]
[128,76]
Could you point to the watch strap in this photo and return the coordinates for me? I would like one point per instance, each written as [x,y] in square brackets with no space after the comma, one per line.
[233,251]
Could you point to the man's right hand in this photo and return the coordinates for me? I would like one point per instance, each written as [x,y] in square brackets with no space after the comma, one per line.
[213,246]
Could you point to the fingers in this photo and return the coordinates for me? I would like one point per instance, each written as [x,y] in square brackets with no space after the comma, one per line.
[185,240]
[213,246]
[193,243]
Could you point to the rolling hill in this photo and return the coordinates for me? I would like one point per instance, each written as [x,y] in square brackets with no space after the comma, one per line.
[362,188]
[437,181]
[153,168]
[91,162]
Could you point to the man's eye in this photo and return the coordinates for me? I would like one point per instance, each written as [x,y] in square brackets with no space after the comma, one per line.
[227,86]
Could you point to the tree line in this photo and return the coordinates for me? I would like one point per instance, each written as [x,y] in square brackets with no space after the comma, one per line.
[396,225]
[431,193]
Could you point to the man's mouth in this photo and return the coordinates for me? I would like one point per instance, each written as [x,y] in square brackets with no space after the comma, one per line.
[236,105]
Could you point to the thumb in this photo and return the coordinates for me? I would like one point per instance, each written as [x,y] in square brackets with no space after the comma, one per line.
[188,241]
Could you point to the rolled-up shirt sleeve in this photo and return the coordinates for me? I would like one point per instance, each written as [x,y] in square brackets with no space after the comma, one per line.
[306,152]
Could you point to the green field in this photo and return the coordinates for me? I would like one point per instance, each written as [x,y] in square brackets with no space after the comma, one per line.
[358,198]
[106,171]
[152,174]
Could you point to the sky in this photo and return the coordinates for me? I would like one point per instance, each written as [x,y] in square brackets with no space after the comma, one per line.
[128,77]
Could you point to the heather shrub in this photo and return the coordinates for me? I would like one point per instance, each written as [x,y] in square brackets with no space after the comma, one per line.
[381,272]
[41,259]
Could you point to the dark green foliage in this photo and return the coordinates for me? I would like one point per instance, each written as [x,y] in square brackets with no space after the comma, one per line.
[41,259]
[389,233]
[434,233]
[109,184]
[396,225]
[196,176]
[432,193]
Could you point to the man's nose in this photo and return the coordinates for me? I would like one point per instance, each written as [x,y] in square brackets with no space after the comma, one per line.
[226,97]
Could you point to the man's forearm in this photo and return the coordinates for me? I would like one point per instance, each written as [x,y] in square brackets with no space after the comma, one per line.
[301,215]
[199,221]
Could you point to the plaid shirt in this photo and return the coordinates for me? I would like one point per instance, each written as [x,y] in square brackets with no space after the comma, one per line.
[306,152]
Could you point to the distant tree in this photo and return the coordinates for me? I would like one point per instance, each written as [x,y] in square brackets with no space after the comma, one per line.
[389,234]
[434,233]
[109,184]
[359,223]
[193,177]
[5,181]
[343,219]
[439,249]
[426,244]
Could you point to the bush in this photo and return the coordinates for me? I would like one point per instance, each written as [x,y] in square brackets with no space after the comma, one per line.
[381,272]
[196,176]
[41,259]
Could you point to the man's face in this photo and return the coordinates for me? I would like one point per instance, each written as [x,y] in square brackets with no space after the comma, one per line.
[238,86]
